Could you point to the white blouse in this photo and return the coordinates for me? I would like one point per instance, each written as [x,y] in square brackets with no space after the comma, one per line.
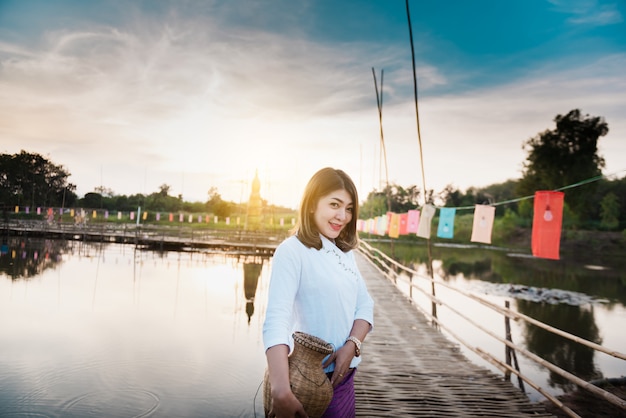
[320,292]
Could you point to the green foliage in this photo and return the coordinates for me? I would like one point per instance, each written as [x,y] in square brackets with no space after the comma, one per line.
[565,156]
[30,179]
[92,200]
[375,205]
[393,198]
[525,211]
[609,211]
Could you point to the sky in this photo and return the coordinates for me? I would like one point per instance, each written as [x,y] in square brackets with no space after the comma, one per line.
[131,95]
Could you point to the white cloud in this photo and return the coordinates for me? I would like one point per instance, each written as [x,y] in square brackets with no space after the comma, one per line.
[588,12]
[197,103]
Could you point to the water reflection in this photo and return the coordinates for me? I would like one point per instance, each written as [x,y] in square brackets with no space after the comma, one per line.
[20,261]
[251,273]
[568,355]
[113,330]
[581,294]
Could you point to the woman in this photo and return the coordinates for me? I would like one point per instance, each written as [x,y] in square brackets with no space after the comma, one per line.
[316,288]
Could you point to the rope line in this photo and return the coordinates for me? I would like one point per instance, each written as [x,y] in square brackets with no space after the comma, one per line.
[519,199]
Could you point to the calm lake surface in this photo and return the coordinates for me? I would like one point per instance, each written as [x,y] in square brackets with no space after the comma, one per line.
[91,330]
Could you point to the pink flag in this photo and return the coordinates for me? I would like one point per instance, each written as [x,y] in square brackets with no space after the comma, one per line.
[483,223]
[413,221]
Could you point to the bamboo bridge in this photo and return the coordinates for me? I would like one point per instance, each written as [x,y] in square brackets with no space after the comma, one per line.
[410,368]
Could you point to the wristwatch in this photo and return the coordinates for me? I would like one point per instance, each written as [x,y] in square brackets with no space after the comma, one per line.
[357,344]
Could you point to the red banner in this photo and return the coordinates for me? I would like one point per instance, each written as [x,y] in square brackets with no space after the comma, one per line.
[547,222]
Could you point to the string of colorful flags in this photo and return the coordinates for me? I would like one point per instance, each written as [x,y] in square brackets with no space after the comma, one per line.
[546,226]
[82,215]
[546,232]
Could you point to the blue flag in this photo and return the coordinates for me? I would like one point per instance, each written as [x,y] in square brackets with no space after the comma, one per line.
[446,223]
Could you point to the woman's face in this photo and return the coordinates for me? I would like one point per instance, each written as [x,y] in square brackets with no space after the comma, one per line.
[333,213]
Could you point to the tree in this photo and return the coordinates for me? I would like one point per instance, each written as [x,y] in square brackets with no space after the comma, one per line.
[400,199]
[30,179]
[564,156]
[609,211]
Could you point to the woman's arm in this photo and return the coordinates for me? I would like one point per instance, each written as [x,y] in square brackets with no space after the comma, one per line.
[344,355]
[284,402]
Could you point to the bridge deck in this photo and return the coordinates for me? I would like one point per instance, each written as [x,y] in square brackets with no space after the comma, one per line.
[411,369]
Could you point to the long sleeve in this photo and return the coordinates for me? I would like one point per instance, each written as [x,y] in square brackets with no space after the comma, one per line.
[319,292]
[284,283]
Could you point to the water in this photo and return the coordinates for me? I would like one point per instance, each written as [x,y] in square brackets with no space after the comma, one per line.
[583,294]
[108,330]
[91,330]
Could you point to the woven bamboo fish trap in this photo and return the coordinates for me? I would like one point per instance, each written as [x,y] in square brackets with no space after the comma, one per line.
[308,381]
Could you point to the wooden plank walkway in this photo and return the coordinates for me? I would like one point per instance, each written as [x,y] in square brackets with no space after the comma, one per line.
[411,369]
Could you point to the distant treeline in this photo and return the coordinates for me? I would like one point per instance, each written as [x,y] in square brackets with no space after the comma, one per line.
[565,158]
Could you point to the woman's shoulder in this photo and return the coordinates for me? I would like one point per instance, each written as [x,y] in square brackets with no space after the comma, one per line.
[290,244]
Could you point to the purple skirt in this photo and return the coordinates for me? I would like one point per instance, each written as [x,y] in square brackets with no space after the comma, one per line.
[343,403]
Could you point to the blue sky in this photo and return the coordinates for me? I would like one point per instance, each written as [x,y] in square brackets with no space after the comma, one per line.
[131,95]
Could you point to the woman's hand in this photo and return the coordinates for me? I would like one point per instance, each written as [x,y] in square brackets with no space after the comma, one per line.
[285,404]
[342,359]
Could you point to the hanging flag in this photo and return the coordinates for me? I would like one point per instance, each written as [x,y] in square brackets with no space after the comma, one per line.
[132,216]
[94,214]
[404,223]
[547,222]
[446,223]
[413,221]
[158,216]
[394,224]
[119,214]
[381,225]
[17,209]
[483,223]
[171,217]
[38,210]
[426,217]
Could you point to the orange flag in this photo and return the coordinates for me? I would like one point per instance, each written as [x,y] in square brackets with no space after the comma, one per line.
[394,225]
[547,222]
[404,223]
